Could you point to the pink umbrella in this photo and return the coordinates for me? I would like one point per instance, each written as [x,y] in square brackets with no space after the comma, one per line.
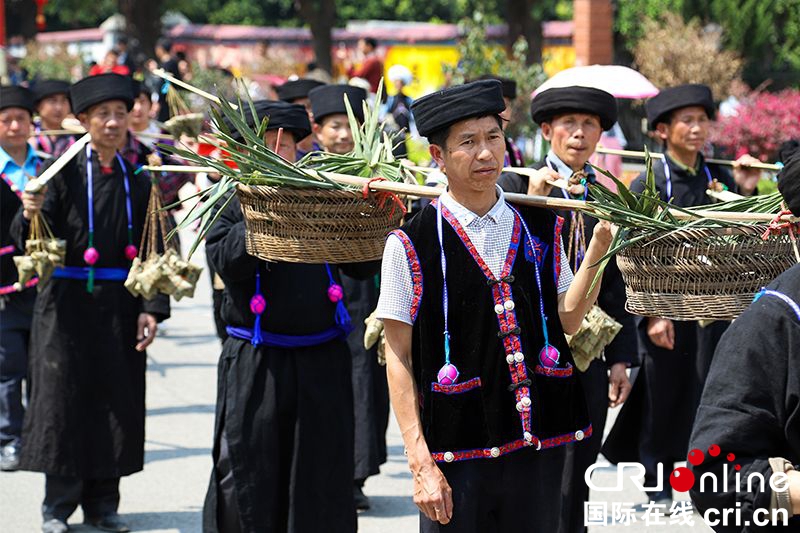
[622,82]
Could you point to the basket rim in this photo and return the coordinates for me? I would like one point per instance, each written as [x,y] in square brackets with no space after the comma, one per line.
[745,229]
[297,191]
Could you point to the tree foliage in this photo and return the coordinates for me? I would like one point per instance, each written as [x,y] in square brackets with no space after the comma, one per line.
[765,33]
[676,52]
[56,64]
[69,14]
[238,12]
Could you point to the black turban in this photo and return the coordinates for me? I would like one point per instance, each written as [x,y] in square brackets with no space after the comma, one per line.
[509,85]
[329,100]
[15,96]
[291,117]
[562,100]
[444,108]
[296,89]
[668,100]
[46,88]
[98,89]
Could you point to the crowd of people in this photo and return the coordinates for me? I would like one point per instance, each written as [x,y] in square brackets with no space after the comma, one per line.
[499,420]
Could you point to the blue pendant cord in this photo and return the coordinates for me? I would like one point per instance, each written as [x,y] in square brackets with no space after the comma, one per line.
[445,302]
[538,276]
[90,198]
[128,207]
[343,319]
[668,177]
[257,337]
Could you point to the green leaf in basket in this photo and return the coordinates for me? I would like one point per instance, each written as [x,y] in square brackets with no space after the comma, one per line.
[208,224]
[355,128]
[603,262]
[218,190]
[622,189]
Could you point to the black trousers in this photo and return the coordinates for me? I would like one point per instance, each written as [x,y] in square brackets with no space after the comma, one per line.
[62,495]
[519,492]
[283,450]
[582,455]
[16,312]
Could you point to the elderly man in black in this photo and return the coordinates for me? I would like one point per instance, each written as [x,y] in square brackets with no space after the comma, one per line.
[572,120]
[85,423]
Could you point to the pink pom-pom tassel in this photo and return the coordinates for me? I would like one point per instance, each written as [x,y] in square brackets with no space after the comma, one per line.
[258,304]
[131,252]
[335,293]
[549,356]
[448,374]
[91,255]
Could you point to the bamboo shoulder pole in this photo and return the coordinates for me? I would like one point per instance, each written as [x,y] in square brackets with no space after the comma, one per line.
[189,87]
[53,133]
[548,202]
[656,155]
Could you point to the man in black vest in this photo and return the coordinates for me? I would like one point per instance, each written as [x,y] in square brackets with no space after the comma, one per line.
[476,296]
[572,120]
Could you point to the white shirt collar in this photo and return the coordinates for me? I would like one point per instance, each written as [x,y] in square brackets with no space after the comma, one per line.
[562,168]
[465,217]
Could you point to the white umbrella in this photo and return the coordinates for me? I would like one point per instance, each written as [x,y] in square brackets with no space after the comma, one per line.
[622,82]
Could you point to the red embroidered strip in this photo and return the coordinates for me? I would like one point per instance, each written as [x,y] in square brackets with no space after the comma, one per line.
[554,372]
[416,271]
[456,388]
[505,449]
[557,248]
[9,289]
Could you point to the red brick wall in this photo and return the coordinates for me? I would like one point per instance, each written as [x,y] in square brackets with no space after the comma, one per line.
[593,34]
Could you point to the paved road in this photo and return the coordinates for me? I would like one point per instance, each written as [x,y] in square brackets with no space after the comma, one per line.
[168,495]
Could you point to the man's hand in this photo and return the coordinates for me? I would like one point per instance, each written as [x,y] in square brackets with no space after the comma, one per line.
[619,386]
[745,176]
[145,331]
[537,182]
[32,203]
[604,232]
[432,493]
[661,332]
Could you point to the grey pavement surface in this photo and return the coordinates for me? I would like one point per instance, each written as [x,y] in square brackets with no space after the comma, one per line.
[181,391]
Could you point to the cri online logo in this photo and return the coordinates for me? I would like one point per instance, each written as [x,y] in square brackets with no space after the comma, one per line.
[682,479]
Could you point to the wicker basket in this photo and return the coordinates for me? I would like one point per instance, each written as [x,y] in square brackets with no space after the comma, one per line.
[702,274]
[316,226]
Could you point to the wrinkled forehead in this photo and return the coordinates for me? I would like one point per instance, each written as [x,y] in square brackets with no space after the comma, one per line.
[475,126]
[108,106]
[689,112]
[336,120]
[575,116]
